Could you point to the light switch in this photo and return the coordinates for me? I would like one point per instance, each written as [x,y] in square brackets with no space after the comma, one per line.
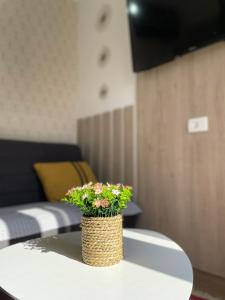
[198,125]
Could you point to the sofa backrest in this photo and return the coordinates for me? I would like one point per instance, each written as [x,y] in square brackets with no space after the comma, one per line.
[18,181]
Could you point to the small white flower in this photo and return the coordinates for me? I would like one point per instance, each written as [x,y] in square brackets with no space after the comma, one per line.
[85,196]
[116,192]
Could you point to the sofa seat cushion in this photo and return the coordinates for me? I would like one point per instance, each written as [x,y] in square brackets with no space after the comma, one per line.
[41,219]
[23,222]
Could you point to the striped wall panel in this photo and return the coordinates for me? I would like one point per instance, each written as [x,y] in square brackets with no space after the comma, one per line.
[117,166]
[107,143]
[128,145]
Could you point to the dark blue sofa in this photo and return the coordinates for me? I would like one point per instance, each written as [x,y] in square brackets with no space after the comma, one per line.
[24,211]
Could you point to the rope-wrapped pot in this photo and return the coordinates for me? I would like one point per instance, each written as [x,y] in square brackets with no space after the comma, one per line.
[102,240]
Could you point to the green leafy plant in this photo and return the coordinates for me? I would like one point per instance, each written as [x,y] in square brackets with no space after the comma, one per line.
[100,200]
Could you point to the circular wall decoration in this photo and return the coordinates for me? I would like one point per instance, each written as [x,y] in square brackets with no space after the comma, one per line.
[103,17]
[104,57]
[103,92]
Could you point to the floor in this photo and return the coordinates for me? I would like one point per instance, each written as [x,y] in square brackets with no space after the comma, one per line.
[212,285]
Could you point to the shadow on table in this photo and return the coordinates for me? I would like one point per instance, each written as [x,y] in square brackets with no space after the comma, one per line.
[159,258]
[55,244]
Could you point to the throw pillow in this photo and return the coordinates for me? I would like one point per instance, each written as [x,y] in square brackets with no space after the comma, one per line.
[58,177]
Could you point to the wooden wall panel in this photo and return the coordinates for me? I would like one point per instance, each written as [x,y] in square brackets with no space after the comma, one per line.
[117,165]
[128,146]
[106,145]
[181,175]
[106,141]
[96,140]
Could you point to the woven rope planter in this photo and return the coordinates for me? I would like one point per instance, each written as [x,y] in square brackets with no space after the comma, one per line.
[102,240]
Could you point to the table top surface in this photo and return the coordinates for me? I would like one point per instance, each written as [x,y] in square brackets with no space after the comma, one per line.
[154,268]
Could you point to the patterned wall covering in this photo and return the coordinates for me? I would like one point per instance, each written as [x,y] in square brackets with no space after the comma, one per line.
[38,70]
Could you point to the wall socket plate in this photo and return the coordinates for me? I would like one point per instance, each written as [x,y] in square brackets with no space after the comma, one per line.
[200,124]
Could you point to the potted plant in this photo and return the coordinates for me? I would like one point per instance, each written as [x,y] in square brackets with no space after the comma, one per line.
[101,205]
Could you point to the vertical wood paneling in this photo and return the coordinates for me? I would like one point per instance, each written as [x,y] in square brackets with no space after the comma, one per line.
[181,176]
[117,163]
[128,146]
[96,140]
[106,144]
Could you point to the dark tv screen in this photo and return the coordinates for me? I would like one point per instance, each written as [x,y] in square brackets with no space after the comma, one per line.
[163,29]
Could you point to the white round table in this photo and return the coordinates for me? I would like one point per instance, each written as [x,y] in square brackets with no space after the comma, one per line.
[51,268]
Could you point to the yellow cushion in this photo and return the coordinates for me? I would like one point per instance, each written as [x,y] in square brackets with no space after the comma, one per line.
[86,172]
[58,177]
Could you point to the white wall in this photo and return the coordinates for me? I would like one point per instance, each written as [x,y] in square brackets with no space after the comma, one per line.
[38,70]
[117,73]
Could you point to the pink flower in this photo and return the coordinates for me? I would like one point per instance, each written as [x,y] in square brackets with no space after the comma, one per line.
[103,203]
[97,203]
[98,188]
[71,191]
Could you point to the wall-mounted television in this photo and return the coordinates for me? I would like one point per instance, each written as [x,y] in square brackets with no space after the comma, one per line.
[163,29]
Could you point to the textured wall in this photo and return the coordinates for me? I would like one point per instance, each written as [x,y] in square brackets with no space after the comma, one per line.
[38,70]
[106,78]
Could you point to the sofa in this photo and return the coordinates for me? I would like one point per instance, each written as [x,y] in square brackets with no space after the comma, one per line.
[24,211]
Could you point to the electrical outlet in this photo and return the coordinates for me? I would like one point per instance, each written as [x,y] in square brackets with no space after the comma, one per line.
[198,125]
